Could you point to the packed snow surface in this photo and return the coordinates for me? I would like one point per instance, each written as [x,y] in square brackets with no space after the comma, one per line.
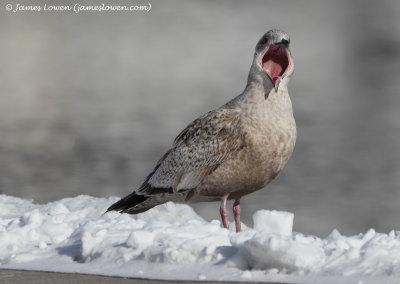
[171,241]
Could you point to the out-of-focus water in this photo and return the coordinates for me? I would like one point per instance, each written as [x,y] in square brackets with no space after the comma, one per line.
[90,101]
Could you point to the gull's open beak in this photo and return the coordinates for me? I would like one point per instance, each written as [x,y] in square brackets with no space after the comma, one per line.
[276,61]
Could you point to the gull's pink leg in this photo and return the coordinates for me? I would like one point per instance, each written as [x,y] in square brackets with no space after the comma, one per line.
[224,212]
[236,213]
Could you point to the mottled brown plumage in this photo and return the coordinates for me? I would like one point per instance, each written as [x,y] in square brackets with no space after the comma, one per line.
[231,151]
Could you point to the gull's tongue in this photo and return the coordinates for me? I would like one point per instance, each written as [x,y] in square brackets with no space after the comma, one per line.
[273,69]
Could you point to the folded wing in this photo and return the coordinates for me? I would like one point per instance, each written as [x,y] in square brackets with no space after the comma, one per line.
[197,151]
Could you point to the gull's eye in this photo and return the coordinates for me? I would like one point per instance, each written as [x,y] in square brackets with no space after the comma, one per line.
[262,43]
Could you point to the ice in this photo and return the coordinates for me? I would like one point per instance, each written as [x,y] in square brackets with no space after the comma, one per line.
[171,241]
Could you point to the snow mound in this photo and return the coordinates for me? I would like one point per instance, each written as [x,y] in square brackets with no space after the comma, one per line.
[273,222]
[171,241]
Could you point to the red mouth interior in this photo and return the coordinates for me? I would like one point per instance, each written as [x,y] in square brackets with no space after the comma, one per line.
[275,62]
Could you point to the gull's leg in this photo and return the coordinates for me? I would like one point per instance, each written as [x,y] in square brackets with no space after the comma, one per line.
[224,212]
[236,214]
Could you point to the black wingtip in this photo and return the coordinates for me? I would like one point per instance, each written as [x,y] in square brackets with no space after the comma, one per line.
[127,202]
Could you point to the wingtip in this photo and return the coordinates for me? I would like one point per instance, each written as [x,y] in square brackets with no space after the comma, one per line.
[124,204]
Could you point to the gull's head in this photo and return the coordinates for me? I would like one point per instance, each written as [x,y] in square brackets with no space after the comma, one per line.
[273,56]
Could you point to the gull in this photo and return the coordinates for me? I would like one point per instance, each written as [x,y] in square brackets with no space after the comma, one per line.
[233,150]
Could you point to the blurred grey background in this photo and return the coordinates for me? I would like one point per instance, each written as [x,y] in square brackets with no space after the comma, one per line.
[89,102]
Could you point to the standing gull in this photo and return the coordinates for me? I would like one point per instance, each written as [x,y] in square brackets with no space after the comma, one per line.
[231,151]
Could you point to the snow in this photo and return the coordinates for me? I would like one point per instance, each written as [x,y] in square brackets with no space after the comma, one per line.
[273,222]
[171,241]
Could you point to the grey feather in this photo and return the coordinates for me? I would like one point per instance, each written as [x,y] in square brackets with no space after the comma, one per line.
[198,150]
